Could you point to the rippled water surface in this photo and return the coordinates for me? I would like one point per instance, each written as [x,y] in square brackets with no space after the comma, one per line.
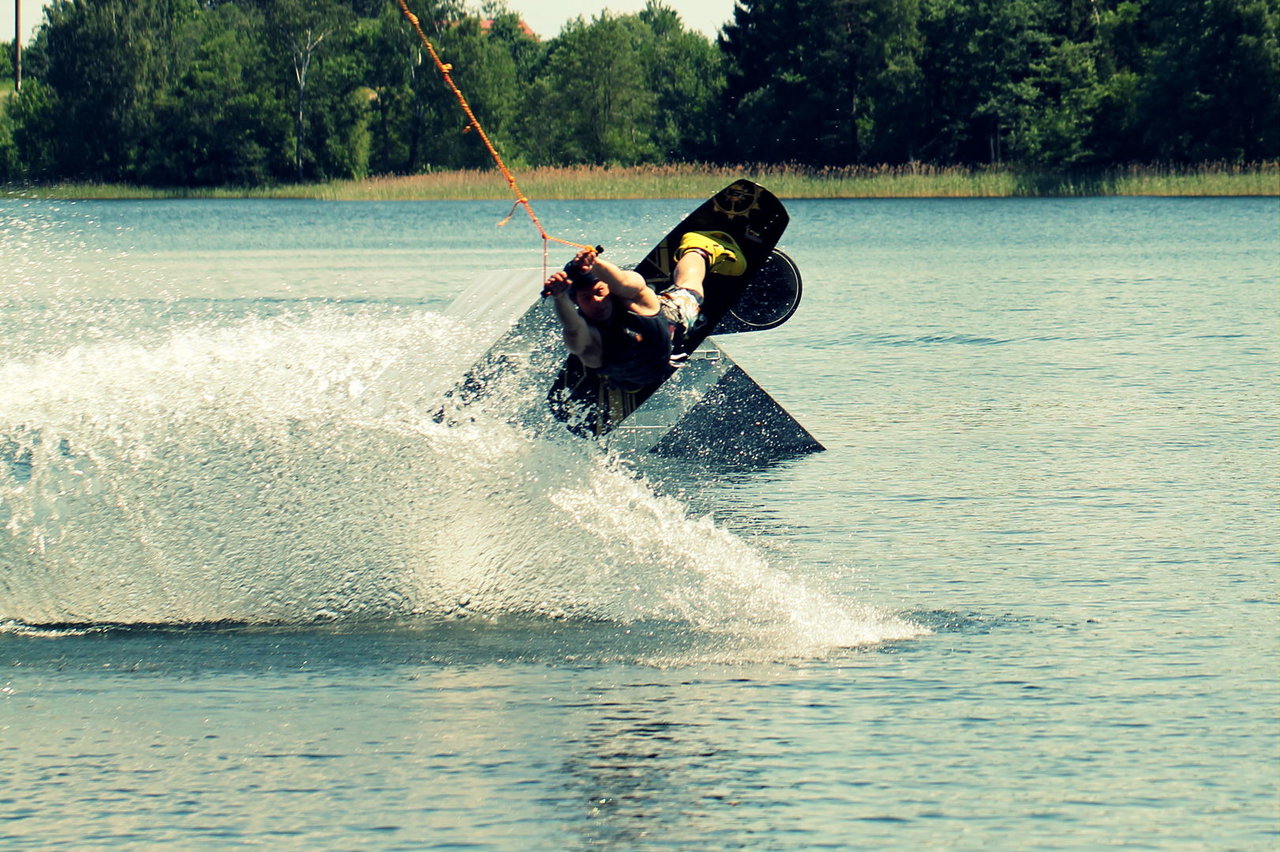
[252,593]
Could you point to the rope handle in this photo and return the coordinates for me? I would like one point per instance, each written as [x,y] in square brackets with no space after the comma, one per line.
[546,291]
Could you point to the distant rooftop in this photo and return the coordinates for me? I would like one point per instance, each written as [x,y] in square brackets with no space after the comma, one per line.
[486,24]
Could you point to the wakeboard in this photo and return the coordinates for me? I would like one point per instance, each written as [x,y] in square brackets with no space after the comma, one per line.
[765,296]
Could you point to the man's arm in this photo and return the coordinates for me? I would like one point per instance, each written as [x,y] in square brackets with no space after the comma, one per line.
[579,337]
[626,284]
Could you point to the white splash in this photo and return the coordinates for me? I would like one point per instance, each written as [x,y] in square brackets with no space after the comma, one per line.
[289,469]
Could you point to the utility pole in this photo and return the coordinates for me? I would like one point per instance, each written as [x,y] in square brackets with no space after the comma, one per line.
[17,45]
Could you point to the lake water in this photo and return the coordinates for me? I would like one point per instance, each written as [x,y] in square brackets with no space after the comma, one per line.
[1027,597]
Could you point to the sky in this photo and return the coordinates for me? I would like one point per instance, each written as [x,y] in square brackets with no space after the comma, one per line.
[545,17]
[32,15]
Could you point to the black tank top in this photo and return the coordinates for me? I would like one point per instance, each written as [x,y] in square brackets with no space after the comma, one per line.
[636,349]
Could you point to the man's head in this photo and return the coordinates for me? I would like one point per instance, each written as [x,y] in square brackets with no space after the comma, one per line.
[592,298]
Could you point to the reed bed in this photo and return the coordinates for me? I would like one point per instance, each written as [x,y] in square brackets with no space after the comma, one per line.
[694,180]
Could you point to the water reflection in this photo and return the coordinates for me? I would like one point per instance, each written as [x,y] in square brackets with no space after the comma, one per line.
[633,765]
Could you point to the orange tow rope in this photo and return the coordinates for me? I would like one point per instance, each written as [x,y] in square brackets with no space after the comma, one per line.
[474,124]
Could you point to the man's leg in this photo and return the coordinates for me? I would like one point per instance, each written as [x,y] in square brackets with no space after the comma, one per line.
[700,251]
[691,270]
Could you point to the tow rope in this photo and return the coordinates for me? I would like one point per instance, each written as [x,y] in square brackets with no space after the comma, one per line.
[474,124]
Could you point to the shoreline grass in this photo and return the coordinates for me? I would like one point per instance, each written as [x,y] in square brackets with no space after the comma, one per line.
[701,180]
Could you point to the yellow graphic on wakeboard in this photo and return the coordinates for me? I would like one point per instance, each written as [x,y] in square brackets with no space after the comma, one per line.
[737,201]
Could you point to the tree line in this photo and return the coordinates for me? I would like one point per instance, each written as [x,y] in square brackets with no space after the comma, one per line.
[248,92]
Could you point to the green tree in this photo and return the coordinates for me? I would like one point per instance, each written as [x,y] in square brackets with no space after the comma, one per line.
[1067,93]
[299,30]
[222,120]
[103,65]
[1065,86]
[980,78]
[250,91]
[829,87]
[686,76]
[10,161]
[35,127]
[485,71]
[582,109]
[1212,89]
[338,133]
[406,84]
[1116,132]
[394,57]
[505,29]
